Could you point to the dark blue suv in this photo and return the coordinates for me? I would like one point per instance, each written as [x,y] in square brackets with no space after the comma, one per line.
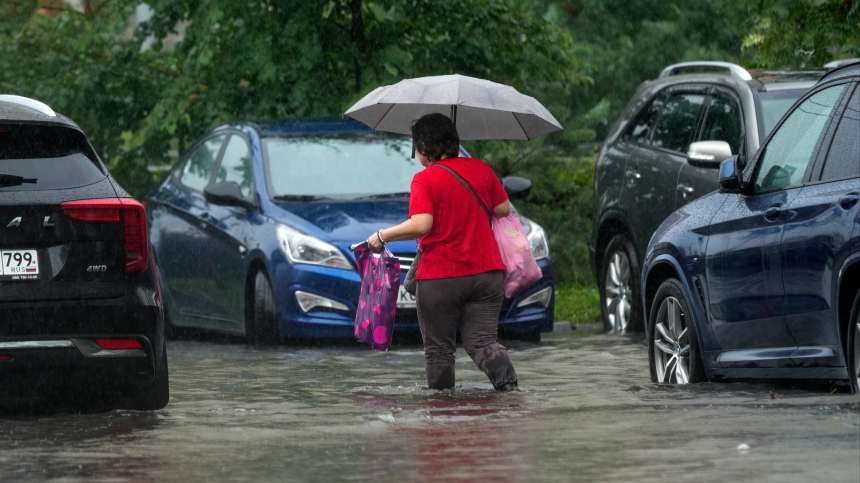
[762,278]
[252,230]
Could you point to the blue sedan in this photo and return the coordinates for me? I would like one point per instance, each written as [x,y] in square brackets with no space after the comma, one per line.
[252,228]
[762,278]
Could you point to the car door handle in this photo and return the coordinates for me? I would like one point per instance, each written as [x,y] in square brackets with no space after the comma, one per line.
[772,213]
[685,189]
[203,216]
[633,175]
[848,201]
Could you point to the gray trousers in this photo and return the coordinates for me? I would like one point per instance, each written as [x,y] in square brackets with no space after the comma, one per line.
[470,304]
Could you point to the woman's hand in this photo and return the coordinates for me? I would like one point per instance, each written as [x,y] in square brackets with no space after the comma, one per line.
[374,243]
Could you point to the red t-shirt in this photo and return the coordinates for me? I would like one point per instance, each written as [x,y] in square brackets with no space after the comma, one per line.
[461,241]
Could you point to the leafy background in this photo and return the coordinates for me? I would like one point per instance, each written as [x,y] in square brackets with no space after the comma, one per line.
[142,97]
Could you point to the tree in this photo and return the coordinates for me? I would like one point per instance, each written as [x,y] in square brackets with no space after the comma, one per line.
[630,41]
[804,33]
[137,99]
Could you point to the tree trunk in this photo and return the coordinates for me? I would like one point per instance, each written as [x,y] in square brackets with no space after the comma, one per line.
[357,33]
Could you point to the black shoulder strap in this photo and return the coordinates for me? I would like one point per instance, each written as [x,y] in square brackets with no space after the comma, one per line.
[463,181]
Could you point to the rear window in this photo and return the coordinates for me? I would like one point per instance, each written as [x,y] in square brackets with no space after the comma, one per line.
[37,157]
[773,105]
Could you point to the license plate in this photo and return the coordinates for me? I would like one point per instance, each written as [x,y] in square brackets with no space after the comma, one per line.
[405,300]
[19,265]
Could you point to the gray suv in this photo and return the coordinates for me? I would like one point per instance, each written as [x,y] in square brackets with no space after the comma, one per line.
[664,152]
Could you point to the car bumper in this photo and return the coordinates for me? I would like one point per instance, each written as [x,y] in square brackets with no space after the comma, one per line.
[343,286]
[49,346]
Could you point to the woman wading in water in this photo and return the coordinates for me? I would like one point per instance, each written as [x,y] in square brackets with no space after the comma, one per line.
[460,275]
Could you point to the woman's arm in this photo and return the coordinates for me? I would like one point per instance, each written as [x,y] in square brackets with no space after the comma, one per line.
[502,210]
[415,227]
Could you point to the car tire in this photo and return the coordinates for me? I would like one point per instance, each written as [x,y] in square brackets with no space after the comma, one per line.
[853,347]
[152,395]
[262,325]
[620,297]
[673,343]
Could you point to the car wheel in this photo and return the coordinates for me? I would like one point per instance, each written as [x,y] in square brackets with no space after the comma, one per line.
[152,395]
[673,347]
[853,347]
[619,278]
[262,328]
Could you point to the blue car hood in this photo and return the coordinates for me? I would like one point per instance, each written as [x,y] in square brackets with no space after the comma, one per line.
[349,222]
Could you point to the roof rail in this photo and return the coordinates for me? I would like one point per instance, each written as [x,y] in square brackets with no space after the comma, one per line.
[29,103]
[839,63]
[736,70]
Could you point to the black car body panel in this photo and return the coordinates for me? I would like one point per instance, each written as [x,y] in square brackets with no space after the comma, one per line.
[81,304]
[642,171]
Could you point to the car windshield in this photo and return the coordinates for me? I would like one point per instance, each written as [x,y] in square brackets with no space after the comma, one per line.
[339,166]
[774,104]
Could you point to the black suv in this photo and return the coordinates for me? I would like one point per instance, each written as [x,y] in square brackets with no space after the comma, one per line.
[81,307]
[664,152]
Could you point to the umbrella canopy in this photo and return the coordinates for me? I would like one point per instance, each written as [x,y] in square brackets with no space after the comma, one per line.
[480,109]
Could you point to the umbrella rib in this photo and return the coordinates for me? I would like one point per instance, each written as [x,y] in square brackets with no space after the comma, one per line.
[383,116]
[521,126]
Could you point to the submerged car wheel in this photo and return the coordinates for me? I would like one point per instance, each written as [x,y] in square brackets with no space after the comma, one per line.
[674,346]
[853,347]
[262,328]
[620,295]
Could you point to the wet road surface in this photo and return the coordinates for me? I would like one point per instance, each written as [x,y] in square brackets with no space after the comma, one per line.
[587,412]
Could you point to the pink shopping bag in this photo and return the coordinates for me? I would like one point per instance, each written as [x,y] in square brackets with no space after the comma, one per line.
[377,302]
[522,269]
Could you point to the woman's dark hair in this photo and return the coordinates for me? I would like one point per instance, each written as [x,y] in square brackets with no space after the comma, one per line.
[436,137]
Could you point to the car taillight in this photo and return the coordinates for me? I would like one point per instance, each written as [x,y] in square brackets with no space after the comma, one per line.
[115,344]
[127,211]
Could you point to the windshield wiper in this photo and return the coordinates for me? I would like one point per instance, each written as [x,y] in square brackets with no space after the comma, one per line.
[300,198]
[8,180]
[385,196]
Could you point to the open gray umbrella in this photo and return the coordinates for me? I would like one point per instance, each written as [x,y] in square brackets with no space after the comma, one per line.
[480,109]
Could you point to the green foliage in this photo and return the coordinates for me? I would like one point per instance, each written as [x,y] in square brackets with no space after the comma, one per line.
[579,305]
[630,41]
[804,33]
[135,97]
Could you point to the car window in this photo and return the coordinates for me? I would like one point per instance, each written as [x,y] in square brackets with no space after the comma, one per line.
[675,127]
[236,165]
[790,149]
[201,162]
[774,105]
[39,157]
[723,122]
[843,159]
[641,130]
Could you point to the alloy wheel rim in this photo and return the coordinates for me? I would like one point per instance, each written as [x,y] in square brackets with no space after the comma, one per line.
[671,343]
[857,353]
[619,295]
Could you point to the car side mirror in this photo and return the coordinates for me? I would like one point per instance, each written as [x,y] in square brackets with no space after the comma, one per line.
[708,154]
[516,188]
[730,176]
[226,194]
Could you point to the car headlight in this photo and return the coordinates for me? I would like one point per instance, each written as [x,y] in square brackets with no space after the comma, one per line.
[301,248]
[537,238]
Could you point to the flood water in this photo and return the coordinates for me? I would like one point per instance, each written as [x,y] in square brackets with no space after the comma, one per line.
[587,411]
